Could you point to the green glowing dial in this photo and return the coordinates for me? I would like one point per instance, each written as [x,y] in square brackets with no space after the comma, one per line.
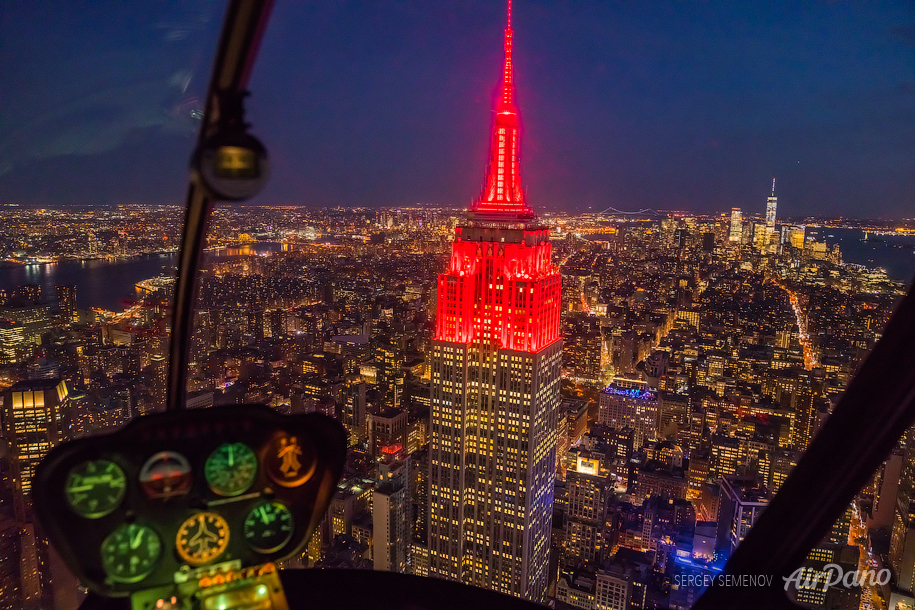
[130,553]
[95,488]
[231,468]
[268,527]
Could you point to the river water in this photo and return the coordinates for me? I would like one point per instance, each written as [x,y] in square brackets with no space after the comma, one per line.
[99,283]
[894,253]
[108,284]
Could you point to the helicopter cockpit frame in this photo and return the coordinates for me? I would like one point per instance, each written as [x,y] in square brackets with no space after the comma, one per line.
[876,409]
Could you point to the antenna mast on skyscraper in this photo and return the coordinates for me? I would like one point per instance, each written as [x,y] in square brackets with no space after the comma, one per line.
[508,69]
[773,178]
[502,194]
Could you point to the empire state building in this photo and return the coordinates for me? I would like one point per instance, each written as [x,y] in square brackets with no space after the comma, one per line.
[495,383]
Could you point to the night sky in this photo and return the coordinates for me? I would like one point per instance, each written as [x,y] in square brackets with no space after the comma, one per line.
[675,105]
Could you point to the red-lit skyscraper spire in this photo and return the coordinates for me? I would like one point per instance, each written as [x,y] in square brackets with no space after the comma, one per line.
[502,194]
[507,81]
[494,392]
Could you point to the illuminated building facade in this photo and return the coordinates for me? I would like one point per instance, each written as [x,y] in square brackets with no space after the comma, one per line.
[582,353]
[902,541]
[796,237]
[495,366]
[783,462]
[741,501]
[728,453]
[37,417]
[352,498]
[620,585]
[12,339]
[66,302]
[817,588]
[389,427]
[588,489]
[736,228]
[771,205]
[391,513]
[760,235]
[354,412]
[627,402]
[35,319]
[770,244]
[29,294]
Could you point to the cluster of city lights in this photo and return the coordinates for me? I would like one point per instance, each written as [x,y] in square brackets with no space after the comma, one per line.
[630,392]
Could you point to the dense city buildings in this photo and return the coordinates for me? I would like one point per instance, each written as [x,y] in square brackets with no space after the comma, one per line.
[692,380]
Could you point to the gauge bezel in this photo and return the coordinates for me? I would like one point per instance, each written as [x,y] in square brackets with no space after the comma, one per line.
[273,461]
[222,491]
[137,578]
[182,547]
[276,547]
[96,514]
[187,477]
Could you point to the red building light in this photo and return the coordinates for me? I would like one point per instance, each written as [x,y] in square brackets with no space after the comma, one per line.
[392,449]
[502,193]
[501,287]
[508,294]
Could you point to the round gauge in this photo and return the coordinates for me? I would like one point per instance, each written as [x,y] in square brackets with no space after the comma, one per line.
[95,488]
[202,538]
[231,468]
[290,461]
[130,553]
[165,475]
[268,527]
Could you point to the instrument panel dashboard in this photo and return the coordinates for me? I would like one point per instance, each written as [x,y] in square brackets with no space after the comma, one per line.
[170,493]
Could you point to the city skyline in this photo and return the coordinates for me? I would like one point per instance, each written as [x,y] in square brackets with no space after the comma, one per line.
[594,410]
[663,107]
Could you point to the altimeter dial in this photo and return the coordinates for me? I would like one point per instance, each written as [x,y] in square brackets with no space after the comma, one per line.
[130,553]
